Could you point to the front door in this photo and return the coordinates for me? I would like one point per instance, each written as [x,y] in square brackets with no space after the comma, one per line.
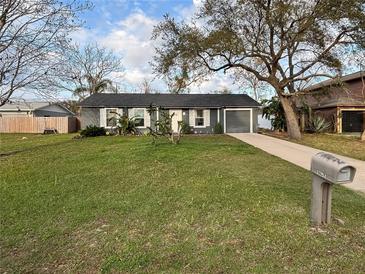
[352,121]
[177,117]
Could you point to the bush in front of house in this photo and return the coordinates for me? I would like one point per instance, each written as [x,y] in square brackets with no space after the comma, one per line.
[318,124]
[218,129]
[163,128]
[185,128]
[93,131]
[126,125]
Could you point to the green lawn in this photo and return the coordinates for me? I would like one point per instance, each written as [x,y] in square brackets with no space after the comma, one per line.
[350,146]
[345,145]
[210,204]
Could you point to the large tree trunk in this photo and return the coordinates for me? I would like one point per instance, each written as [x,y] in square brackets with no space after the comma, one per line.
[291,118]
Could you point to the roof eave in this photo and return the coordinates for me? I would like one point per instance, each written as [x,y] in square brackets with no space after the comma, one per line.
[330,82]
[178,107]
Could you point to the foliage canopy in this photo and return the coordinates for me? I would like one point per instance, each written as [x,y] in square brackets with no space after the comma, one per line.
[285,43]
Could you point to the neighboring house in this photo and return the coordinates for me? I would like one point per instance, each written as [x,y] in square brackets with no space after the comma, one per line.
[34,109]
[340,101]
[235,112]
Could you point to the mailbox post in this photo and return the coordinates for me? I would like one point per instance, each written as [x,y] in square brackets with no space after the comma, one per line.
[327,170]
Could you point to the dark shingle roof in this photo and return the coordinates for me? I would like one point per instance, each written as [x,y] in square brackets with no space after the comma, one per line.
[346,78]
[169,100]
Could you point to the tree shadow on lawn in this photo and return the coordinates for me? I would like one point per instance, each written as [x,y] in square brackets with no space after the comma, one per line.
[29,149]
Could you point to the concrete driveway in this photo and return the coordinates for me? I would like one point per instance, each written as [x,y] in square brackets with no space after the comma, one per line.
[299,155]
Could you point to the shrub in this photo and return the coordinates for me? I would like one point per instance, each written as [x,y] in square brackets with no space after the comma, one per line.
[126,125]
[318,124]
[93,131]
[185,128]
[163,128]
[273,110]
[218,129]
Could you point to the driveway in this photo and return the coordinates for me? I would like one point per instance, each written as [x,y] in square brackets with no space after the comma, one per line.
[299,155]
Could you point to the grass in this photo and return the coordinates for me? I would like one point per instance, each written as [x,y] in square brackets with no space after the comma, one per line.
[210,204]
[15,143]
[350,146]
[345,145]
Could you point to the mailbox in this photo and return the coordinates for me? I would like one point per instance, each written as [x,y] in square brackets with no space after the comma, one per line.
[327,170]
[332,169]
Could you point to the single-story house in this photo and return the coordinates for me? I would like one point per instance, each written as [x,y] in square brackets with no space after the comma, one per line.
[235,112]
[34,109]
[339,101]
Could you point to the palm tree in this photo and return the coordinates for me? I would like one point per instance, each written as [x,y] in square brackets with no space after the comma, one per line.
[93,86]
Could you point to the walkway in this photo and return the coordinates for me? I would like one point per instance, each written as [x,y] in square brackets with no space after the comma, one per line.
[299,155]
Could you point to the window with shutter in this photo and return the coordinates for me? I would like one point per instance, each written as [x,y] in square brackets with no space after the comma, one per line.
[199,118]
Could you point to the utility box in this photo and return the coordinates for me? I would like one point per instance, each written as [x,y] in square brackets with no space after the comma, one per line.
[327,170]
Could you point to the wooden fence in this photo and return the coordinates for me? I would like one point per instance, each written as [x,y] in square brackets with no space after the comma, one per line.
[37,124]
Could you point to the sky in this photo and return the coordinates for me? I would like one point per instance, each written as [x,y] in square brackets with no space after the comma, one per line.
[125,26]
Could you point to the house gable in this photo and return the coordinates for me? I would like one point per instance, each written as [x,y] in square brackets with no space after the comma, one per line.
[53,110]
[330,93]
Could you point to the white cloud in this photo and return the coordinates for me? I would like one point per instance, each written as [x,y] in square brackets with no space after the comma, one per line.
[82,36]
[217,82]
[136,76]
[197,3]
[132,39]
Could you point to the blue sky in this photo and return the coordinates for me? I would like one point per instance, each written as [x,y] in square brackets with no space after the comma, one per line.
[109,12]
[125,27]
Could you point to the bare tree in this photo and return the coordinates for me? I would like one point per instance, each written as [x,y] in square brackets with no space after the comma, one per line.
[292,41]
[224,90]
[146,86]
[85,70]
[257,89]
[32,32]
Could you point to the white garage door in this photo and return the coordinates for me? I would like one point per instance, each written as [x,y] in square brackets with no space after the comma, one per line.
[238,121]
